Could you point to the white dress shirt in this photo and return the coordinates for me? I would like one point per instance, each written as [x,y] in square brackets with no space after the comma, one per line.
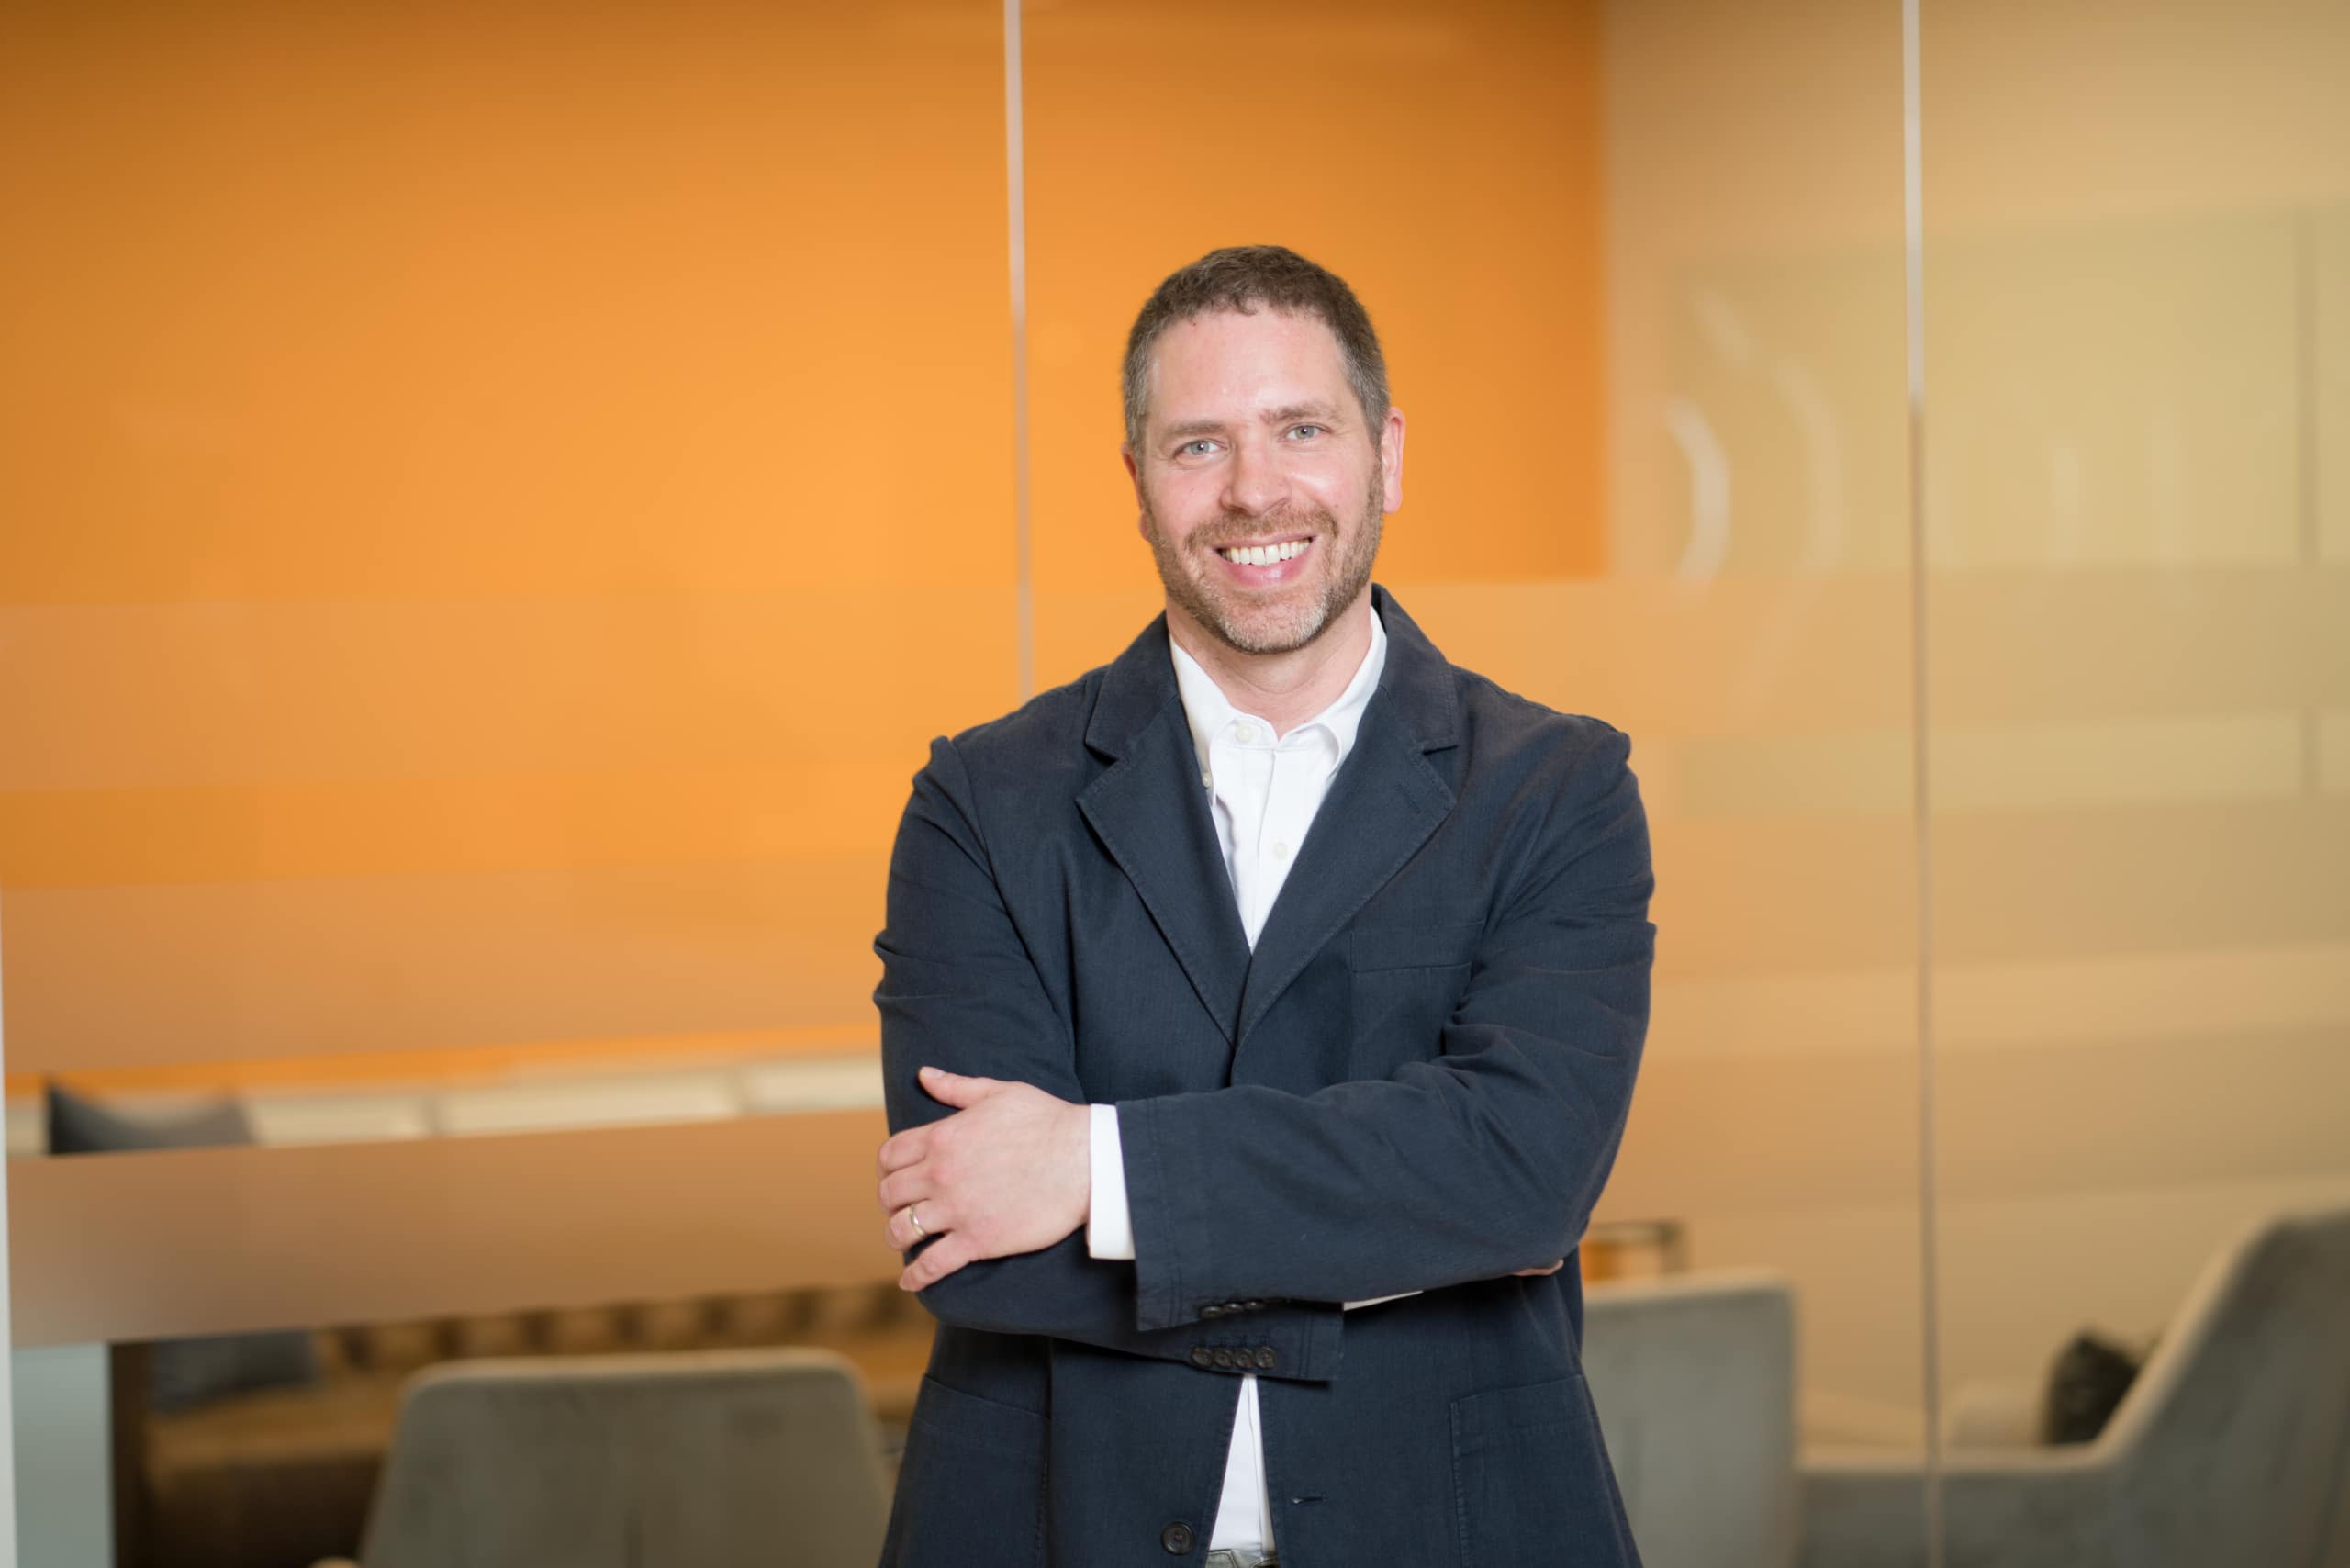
[1264,791]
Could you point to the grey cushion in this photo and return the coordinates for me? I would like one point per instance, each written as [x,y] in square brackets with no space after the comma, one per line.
[1694,1378]
[184,1373]
[690,1459]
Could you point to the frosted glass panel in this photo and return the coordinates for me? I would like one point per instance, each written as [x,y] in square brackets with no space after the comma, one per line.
[2140,611]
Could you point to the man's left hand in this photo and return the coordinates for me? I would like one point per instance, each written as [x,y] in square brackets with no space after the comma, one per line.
[1011,1171]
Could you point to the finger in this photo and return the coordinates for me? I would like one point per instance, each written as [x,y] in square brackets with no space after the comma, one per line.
[900,1229]
[954,1089]
[906,1148]
[936,1262]
[937,1219]
[911,1185]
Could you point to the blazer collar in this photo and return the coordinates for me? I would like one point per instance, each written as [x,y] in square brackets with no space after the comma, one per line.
[1416,687]
[1151,814]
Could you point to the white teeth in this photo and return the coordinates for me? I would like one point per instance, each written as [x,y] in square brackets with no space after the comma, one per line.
[1266,555]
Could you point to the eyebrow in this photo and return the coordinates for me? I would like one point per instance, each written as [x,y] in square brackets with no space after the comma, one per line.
[1321,413]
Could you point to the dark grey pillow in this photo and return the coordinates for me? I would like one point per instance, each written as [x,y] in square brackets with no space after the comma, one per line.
[84,1126]
[182,1372]
[2084,1388]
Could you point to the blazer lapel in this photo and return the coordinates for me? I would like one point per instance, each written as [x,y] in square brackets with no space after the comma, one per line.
[1383,804]
[1150,812]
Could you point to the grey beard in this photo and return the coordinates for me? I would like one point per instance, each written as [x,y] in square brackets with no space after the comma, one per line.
[1360,546]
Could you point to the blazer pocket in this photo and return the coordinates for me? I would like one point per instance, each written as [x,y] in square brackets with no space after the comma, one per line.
[1530,1480]
[1373,949]
[971,1487]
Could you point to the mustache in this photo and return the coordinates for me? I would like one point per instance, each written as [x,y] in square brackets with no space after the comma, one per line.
[1235,531]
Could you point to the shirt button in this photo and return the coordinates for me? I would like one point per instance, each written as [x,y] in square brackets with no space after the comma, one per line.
[1202,1356]
[1205,780]
[1176,1538]
[1245,733]
[1281,849]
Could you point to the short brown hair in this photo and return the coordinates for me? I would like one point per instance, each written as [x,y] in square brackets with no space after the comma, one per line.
[1242,278]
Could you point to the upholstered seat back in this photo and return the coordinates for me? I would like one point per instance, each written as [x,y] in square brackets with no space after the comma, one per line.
[693,1459]
[1694,1379]
[2234,1442]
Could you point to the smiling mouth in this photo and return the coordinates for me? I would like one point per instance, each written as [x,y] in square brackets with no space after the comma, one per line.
[1265,554]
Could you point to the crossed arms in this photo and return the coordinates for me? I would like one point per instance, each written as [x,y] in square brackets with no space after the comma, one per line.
[1482,1161]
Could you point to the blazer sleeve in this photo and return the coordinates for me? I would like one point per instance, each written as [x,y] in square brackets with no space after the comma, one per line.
[1483,1160]
[958,991]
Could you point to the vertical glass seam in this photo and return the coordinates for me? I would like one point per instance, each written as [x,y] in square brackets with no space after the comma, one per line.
[1921,803]
[1015,155]
[7,1338]
[2305,478]
[2305,375]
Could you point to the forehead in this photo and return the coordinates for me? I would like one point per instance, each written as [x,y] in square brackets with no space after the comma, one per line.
[1226,362]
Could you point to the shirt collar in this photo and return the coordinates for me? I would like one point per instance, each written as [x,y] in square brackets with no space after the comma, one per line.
[1207,710]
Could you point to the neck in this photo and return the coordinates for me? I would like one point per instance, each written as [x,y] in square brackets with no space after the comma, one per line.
[1286,689]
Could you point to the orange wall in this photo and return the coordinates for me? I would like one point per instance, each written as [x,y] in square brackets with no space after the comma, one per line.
[496,501]
[1445,161]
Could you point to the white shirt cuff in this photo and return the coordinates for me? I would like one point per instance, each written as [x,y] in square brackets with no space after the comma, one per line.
[1109,1226]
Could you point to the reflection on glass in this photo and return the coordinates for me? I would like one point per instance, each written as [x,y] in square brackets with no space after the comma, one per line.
[1752,633]
[272,1447]
[2143,979]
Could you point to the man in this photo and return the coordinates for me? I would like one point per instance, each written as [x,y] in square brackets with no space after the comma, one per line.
[1259,1018]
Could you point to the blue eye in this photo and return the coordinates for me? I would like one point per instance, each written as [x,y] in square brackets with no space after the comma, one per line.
[1195,448]
[1307,430]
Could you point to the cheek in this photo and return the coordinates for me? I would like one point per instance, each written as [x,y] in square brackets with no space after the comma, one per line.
[1181,507]
[1334,487]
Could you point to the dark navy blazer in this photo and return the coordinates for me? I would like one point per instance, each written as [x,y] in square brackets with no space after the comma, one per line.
[1417,1082]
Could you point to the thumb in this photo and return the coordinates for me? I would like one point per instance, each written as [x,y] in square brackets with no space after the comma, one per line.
[954,1089]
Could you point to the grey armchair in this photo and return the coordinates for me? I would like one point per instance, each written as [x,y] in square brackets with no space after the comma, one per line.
[1694,1377]
[2232,1445]
[704,1459]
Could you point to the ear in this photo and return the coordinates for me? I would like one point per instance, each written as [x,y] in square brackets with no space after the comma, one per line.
[1390,459]
[1134,477]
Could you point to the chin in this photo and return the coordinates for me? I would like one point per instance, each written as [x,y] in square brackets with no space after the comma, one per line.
[1276,632]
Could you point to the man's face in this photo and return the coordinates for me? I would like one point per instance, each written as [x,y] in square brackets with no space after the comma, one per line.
[1254,445]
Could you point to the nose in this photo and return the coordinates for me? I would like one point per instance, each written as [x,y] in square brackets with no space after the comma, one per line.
[1253,482]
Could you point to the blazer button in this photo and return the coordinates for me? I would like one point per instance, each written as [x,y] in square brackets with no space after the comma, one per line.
[1265,1357]
[1252,1306]
[1224,1359]
[1212,1310]
[1202,1356]
[1176,1538]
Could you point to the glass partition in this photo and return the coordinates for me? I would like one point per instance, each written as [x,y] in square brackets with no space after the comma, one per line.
[2136,286]
[498,502]
[1753,631]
